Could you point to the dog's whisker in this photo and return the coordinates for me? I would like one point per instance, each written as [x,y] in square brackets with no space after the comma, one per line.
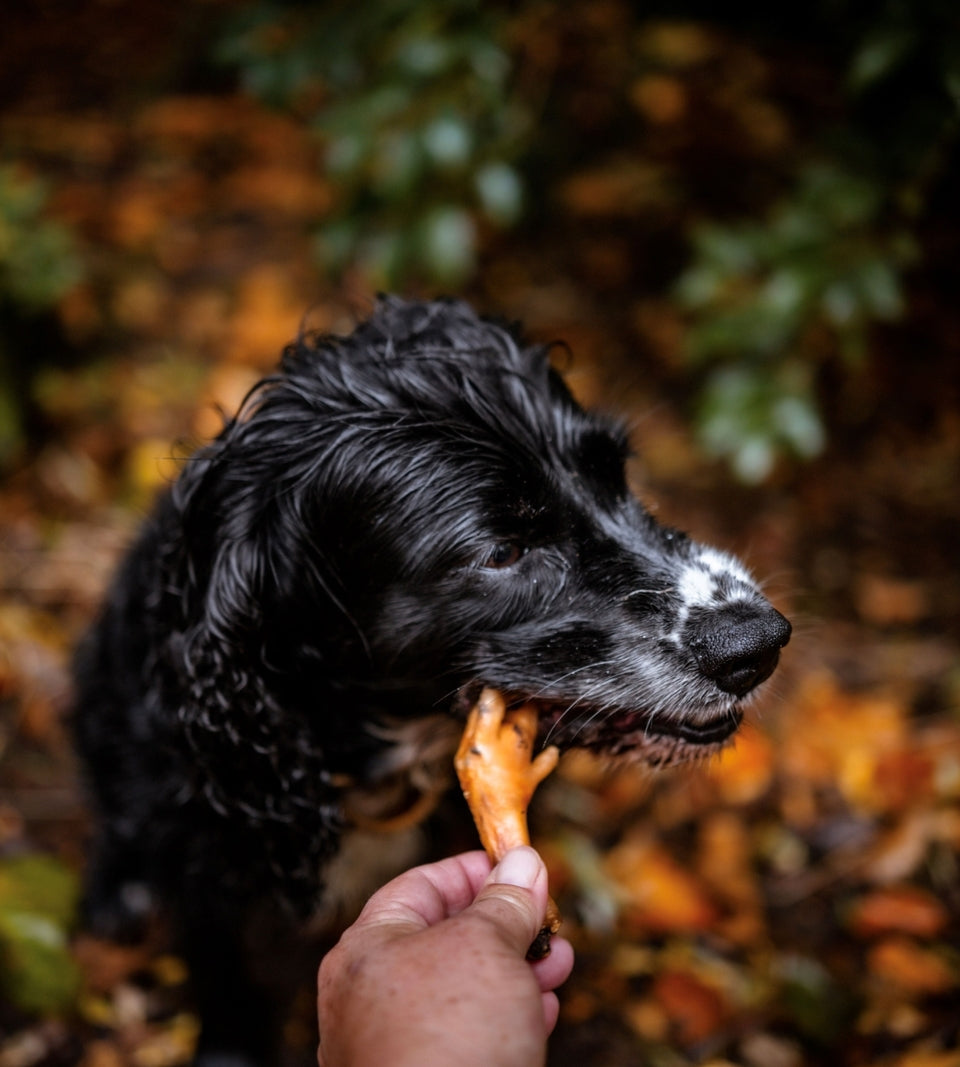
[600,713]
[562,716]
[554,682]
[585,698]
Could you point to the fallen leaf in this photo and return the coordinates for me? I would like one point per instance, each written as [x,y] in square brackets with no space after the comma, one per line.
[902,909]
[648,1018]
[37,899]
[104,964]
[725,863]
[812,997]
[743,772]
[914,969]
[899,852]
[659,98]
[837,739]
[901,1018]
[658,893]
[762,1049]
[925,1058]
[101,1053]
[904,777]
[887,601]
[169,1045]
[695,1010]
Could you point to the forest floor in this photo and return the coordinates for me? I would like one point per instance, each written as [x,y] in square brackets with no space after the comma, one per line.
[797,902]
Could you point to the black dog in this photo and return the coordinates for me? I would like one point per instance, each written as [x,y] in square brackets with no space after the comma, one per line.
[394,520]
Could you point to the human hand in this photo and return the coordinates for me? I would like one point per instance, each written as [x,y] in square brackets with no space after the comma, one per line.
[433,972]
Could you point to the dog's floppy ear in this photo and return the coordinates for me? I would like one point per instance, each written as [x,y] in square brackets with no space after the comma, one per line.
[255,760]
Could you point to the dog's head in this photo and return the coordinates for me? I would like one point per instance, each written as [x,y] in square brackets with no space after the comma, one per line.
[421,509]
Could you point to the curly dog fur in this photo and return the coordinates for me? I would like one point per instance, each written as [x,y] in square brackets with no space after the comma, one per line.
[393,520]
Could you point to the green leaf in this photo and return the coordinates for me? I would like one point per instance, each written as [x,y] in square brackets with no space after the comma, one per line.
[396,165]
[727,248]
[424,56]
[38,262]
[345,154]
[799,424]
[420,116]
[879,288]
[381,256]
[880,53]
[813,998]
[37,903]
[39,884]
[447,141]
[500,190]
[752,415]
[447,244]
[336,243]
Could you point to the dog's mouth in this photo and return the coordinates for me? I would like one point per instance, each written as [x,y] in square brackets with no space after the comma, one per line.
[637,735]
[627,735]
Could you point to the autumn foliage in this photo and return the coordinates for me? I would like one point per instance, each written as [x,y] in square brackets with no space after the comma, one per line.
[796,902]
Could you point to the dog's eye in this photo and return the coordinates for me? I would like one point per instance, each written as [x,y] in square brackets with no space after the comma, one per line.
[503,555]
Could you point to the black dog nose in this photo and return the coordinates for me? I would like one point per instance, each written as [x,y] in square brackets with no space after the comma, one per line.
[737,646]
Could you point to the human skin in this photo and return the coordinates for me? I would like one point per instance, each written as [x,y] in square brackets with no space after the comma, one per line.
[433,972]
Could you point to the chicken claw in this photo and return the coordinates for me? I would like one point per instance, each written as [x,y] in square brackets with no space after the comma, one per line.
[498,775]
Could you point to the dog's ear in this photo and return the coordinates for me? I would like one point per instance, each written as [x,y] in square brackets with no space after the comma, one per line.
[254,759]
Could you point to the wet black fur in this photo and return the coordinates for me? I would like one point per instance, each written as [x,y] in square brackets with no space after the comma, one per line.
[393,520]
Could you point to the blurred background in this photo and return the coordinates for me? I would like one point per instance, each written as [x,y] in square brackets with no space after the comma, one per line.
[745,227]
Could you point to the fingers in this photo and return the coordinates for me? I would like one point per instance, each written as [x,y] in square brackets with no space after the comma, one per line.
[553,970]
[514,897]
[551,1012]
[424,896]
[551,973]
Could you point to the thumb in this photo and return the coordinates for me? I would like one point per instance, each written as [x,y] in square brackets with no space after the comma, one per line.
[514,897]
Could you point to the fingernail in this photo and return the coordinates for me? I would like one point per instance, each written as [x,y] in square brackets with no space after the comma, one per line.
[520,866]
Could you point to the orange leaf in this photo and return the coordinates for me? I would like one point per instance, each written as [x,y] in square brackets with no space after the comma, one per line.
[658,893]
[900,851]
[268,315]
[151,465]
[648,1018]
[888,601]
[743,771]
[924,1058]
[616,191]
[695,1010]
[659,98]
[725,862]
[905,964]
[904,777]
[105,964]
[898,909]
[837,739]
[223,393]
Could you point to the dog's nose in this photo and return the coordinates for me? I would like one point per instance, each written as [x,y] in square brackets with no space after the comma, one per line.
[738,646]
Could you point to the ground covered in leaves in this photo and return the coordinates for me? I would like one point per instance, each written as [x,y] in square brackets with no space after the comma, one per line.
[795,903]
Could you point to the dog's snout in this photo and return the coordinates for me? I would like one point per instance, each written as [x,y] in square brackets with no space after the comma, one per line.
[738,646]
